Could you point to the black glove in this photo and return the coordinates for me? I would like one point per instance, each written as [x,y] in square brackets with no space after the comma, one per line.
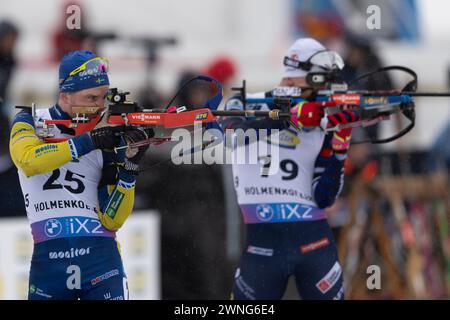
[135,154]
[106,138]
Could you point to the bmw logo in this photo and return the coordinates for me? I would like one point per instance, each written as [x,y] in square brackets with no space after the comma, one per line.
[52,228]
[264,212]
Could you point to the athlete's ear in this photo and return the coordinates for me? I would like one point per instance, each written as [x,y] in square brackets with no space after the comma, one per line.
[65,101]
[64,98]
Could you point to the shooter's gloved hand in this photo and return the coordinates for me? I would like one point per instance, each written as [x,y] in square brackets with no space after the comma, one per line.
[340,142]
[134,154]
[307,114]
[106,138]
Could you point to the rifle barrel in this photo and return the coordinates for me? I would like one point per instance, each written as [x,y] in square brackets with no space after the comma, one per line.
[272,114]
[406,93]
[428,94]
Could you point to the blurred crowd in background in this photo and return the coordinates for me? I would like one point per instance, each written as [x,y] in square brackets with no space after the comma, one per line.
[394,211]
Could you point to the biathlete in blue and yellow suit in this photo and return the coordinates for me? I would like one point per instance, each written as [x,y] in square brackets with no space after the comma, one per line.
[282,199]
[78,192]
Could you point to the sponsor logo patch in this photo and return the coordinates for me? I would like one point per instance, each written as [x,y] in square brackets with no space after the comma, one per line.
[286,138]
[72,253]
[346,98]
[105,276]
[144,117]
[38,291]
[376,100]
[201,116]
[330,279]
[114,204]
[52,228]
[264,212]
[46,149]
[315,245]
[260,251]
